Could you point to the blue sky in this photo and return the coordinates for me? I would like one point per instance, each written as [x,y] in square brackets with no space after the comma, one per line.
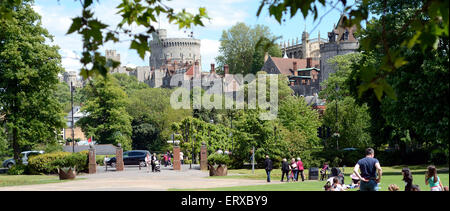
[57,15]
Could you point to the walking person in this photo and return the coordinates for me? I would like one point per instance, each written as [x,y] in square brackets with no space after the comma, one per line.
[432,179]
[166,160]
[294,169]
[147,162]
[181,158]
[300,169]
[153,161]
[268,166]
[284,170]
[369,167]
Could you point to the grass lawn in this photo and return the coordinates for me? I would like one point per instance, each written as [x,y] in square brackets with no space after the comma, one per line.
[391,175]
[14,180]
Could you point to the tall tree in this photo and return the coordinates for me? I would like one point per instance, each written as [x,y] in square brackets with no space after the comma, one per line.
[243,47]
[107,119]
[421,84]
[29,75]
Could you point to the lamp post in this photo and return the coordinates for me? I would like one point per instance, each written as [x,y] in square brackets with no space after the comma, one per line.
[71,102]
[336,134]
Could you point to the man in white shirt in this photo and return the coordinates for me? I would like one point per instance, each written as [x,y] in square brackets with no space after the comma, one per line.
[181,157]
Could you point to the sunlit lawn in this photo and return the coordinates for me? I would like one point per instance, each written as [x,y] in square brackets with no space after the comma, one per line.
[15,180]
[391,175]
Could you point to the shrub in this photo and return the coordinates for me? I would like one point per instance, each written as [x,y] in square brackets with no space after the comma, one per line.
[17,170]
[48,163]
[219,159]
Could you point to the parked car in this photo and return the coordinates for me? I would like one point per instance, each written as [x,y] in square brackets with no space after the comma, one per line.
[23,156]
[133,157]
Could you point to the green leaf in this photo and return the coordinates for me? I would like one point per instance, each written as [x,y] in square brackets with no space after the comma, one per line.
[76,25]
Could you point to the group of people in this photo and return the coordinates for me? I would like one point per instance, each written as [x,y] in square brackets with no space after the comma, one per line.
[152,161]
[292,169]
[366,175]
[368,172]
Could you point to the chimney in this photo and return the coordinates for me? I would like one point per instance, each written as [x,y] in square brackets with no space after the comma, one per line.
[308,62]
[196,68]
[225,69]
[213,71]
[266,56]
[295,68]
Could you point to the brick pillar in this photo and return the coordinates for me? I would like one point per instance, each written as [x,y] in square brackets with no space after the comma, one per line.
[203,157]
[176,158]
[119,158]
[92,161]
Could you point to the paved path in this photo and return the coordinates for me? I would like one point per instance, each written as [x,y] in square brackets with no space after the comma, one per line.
[133,179]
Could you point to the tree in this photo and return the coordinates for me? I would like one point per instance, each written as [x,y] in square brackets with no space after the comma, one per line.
[107,119]
[421,86]
[353,124]
[129,83]
[152,115]
[243,47]
[29,76]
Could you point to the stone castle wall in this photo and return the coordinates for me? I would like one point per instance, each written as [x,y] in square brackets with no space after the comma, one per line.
[329,50]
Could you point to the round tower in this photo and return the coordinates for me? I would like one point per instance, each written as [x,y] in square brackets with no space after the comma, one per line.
[169,50]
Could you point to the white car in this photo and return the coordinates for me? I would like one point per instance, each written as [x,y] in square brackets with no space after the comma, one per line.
[24,156]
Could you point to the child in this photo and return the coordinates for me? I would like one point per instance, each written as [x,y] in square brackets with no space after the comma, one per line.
[355,181]
[407,178]
[336,186]
[432,179]
[323,171]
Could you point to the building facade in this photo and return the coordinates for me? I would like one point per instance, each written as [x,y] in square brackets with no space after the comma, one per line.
[309,48]
[341,41]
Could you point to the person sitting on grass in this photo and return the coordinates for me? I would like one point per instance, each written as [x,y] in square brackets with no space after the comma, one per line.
[336,186]
[432,179]
[393,187]
[407,178]
[355,181]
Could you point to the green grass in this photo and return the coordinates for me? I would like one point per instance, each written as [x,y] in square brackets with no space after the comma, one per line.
[391,175]
[15,180]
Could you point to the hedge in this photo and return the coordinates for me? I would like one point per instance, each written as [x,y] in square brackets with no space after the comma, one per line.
[49,163]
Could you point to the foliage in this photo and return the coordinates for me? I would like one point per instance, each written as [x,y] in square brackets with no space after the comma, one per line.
[342,66]
[48,163]
[353,122]
[253,42]
[107,120]
[428,20]
[418,118]
[151,117]
[29,74]
[19,169]
[219,159]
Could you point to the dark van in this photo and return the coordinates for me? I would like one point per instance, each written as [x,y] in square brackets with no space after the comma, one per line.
[133,157]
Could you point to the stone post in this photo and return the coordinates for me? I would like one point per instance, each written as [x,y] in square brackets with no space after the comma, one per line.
[119,158]
[203,157]
[176,158]
[92,161]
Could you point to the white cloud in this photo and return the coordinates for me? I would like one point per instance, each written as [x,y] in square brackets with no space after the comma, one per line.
[209,50]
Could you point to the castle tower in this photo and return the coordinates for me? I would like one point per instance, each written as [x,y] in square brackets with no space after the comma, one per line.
[180,50]
[305,44]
